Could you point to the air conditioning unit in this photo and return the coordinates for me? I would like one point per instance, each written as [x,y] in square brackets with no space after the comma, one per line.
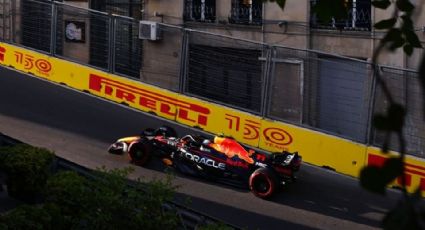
[149,30]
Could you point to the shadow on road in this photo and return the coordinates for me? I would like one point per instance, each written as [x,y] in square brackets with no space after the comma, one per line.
[317,191]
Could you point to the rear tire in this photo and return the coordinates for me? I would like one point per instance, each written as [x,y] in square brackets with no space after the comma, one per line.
[262,183]
[140,153]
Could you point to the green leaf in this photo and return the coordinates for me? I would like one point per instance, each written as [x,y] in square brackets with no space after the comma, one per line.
[396,113]
[371,179]
[405,5]
[397,44]
[412,39]
[392,168]
[380,122]
[407,22]
[385,24]
[281,3]
[408,49]
[382,4]
[392,35]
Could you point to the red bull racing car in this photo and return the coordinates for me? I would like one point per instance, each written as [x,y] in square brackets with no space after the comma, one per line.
[221,158]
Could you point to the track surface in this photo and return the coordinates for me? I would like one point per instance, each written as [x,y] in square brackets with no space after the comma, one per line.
[80,127]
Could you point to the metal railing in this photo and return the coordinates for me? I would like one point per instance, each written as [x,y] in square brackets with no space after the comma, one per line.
[246,15]
[359,17]
[199,11]
[312,89]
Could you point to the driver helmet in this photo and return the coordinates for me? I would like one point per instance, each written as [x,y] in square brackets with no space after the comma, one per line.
[206,142]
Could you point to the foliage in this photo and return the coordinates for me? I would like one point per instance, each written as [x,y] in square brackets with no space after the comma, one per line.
[105,200]
[108,202]
[26,217]
[399,36]
[27,169]
[400,33]
[215,226]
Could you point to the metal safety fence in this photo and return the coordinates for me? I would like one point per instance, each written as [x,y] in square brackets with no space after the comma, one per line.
[312,89]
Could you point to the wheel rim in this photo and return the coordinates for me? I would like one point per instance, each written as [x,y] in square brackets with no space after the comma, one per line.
[138,154]
[261,185]
[139,157]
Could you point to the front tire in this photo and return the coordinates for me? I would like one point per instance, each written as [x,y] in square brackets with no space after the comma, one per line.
[139,153]
[262,183]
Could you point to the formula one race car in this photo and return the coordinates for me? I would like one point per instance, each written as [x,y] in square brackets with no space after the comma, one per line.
[221,158]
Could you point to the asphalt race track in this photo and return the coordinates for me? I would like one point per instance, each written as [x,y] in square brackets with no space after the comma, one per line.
[80,127]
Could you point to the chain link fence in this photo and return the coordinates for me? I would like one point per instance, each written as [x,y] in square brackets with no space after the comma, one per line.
[35,25]
[320,91]
[405,89]
[6,22]
[226,70]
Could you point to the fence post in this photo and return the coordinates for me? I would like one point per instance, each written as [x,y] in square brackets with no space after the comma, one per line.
[111,51]
[266,74]
[4,20]
[53,27]
[369,126]
[12,11]
[183,61]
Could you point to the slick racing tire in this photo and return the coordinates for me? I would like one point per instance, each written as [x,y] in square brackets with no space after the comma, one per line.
[139,153]
[262,183]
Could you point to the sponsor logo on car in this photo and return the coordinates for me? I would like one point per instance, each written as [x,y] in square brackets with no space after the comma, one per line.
[204,160]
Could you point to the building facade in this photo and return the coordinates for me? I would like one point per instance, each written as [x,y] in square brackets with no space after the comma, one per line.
[295,26]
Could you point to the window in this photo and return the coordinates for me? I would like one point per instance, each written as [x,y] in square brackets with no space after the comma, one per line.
[199,10]
[246,12]
[358,17]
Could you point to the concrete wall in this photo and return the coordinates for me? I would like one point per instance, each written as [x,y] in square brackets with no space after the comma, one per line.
[161,60]
[346,43]
[171,11]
